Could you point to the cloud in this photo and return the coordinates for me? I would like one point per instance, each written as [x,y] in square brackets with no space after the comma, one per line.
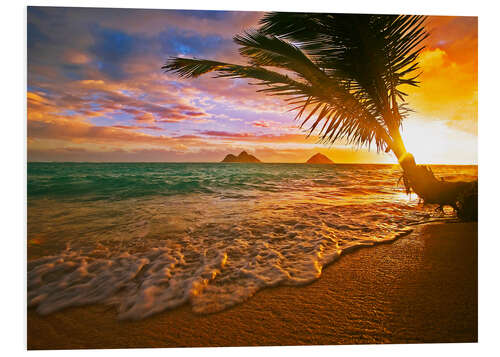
[135,127]
[447,92]
[225,134]
[189,43]
[432,59]
[261,138]
[95,80]
[76,58]
[111,49]
[456,35]
[120,155]
[35,36]
[210,153]
[261,123]
[76,131]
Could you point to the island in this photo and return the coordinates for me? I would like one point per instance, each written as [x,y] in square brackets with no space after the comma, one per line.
[319,159]
[242,157]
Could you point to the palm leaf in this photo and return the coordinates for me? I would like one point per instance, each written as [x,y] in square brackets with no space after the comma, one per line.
[345,71]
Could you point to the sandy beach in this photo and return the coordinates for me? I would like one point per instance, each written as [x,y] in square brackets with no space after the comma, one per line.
[420,289]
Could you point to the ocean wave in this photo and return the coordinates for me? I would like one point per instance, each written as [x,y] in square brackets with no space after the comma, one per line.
[233,232]
[142,284]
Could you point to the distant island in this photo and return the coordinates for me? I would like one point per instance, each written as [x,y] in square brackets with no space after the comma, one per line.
[319,159]
[242,157]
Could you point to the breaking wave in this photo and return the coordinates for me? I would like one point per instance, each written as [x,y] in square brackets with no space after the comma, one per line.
[211,249]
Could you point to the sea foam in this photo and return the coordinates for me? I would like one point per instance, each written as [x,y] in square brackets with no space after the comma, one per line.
[211,250]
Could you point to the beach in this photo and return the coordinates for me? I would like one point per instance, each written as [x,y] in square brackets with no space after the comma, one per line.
[421,288]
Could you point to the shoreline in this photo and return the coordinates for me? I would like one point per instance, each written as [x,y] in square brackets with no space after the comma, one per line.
[420,288]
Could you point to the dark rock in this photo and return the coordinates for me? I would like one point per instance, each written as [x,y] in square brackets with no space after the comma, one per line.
[242,157]
[319,159]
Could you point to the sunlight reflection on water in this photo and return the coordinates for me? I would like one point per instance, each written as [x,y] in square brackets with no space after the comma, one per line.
[204,234]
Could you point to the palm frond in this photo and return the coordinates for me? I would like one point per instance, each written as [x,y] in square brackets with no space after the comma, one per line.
[345,70]
[191,68]
[262,50]
[375,53]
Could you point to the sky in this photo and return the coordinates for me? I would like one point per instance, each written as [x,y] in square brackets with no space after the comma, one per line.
[96,92]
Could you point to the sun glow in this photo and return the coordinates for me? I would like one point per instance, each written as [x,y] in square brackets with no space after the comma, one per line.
[108,102]
[434,142]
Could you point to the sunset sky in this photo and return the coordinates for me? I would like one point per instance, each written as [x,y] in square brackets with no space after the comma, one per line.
[96,92]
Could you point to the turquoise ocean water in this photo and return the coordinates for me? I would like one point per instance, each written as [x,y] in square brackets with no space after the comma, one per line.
[146,237]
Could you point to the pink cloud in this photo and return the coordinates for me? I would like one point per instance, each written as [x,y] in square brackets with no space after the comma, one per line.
[135,127]
[261,123]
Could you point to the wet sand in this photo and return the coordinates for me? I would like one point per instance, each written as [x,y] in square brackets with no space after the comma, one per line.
[420,289]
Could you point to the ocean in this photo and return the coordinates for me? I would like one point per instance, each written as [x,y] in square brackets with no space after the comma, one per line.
[147,237]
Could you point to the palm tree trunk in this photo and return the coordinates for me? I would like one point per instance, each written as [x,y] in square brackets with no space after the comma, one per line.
[462,196]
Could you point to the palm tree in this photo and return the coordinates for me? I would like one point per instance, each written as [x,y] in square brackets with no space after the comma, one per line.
[344,75]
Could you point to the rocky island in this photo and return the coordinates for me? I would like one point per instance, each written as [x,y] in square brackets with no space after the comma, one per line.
[319,159]
[242,157]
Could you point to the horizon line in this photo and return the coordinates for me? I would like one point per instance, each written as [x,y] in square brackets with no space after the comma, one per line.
[219,162]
